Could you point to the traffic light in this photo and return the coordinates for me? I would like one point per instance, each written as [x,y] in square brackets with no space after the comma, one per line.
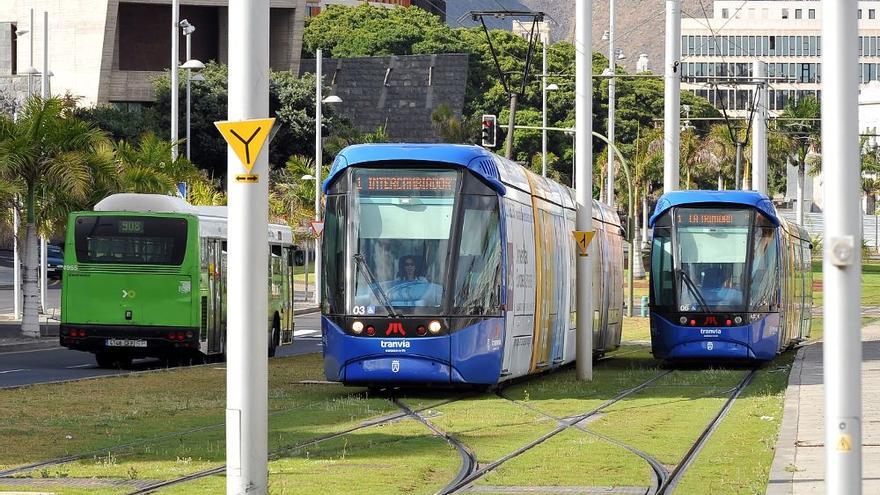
[488,131]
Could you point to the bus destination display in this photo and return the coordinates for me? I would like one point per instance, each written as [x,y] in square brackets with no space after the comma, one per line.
[131,227]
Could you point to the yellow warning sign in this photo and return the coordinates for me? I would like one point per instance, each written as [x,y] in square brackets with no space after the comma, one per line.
[246,138]
[583,240]
[844,443]
[247,178]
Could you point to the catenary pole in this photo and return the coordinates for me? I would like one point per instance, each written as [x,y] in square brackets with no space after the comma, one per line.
[612,95]
[44,94]
[584,182]
[188,95]
[16,262]
[175,63]
[841,262]
[544,41]
[246,352]
[319,158]
[672,100]
[759,131]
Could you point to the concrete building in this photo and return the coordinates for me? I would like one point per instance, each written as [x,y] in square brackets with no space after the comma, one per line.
[109,51]
[785,34]
[437,7]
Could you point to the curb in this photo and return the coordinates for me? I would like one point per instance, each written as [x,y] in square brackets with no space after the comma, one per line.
[305,311]
[29,346]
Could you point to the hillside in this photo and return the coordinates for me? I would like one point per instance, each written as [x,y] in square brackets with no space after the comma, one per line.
[641,24]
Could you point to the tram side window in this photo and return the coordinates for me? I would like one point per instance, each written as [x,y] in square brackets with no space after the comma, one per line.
[661,268]
[478,276]
[334,256]
[764,271]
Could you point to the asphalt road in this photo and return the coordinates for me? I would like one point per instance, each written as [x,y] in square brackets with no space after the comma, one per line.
[53,296]
[59,364]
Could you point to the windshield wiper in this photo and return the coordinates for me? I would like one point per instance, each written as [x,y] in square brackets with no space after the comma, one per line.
[682,275]
[377,291]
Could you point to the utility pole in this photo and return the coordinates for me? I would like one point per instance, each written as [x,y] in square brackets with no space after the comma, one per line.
[612,94]
[737,179]
[584,180]
[759,129]
[672,89]
[175,63]
[841,261]
[248,255]
[544,40]
[319,157]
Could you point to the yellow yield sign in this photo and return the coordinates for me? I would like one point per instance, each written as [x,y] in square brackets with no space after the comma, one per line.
[246,138]
[583,240]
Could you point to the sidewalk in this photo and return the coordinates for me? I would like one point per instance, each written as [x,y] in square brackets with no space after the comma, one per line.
[799,464]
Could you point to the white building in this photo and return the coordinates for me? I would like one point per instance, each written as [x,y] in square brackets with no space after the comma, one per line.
[784,34]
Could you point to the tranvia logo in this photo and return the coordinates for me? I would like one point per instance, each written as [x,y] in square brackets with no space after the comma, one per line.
[395,366]
[394,344]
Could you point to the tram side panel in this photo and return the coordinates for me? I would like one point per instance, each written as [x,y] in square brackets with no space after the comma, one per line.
[519,320]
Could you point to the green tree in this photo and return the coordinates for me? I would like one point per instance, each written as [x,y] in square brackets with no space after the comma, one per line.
[800,121]
[148,168]
[54,161]
[454,129]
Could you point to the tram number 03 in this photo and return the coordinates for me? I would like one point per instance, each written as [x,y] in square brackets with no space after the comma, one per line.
[359,310]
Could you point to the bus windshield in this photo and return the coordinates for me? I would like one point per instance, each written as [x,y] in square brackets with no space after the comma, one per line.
[713,249]
[402,219]
[114,239]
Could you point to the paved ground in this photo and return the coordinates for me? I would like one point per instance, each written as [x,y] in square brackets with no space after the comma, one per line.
[58,363]
[799,465]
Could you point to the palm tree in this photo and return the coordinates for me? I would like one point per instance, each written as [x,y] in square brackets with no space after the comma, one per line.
[451,128]
[53,161]
[717,153]
[647,163]
[800,120]
[147,168]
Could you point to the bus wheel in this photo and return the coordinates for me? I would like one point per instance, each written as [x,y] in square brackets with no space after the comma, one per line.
[276,334]
[111,360]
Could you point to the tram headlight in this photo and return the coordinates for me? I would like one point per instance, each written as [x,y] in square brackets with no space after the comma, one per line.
[683,320]
[357,327]
[738,320]
[435,327]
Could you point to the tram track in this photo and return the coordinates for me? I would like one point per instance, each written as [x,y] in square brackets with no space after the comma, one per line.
[566,423]
[278,453]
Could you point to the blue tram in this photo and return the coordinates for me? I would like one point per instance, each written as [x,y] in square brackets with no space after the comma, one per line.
[730,278]
[447,264]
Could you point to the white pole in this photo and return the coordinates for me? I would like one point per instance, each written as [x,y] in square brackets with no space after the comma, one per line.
[248,343]
[759,131]
[842,264]
[30,80]
[645,219]
[44,92]
[16,263]
[583,160]
[544,108]
[188,92]
[175,63]
[671,111]
[799,199]
[319,157]
[612,94]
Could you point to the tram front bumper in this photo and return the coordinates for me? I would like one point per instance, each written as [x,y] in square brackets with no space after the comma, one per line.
[397,369]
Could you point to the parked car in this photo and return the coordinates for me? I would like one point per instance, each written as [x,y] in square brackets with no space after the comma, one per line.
[54,260]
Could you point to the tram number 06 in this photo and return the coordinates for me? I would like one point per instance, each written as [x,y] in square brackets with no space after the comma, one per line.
[359,310]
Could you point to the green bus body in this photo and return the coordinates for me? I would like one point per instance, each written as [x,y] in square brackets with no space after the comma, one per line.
[138,293]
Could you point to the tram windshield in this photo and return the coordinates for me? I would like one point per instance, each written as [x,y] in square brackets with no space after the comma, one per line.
[401,221]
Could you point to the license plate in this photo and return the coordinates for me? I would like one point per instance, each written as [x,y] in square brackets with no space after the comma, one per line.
[125,343]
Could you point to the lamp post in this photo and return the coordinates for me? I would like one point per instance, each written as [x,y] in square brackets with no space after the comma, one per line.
[613,56]
[175,62]
[544,89]
[190,65]
[319,159]
[306,290]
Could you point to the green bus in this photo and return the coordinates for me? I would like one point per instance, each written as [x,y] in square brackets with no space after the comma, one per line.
[145,276]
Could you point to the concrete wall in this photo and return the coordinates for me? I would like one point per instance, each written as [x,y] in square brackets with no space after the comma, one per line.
[397,93]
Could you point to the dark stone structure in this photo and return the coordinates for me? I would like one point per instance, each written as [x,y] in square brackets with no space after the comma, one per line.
[399,93]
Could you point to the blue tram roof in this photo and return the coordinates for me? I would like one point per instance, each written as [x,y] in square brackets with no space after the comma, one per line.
[474,158]
[754,199]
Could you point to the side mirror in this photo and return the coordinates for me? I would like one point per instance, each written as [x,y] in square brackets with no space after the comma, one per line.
[299,257]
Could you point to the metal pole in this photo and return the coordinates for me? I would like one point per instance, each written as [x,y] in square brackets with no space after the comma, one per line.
[16,262]
[306,293]
[645,219]
[841,262]
[30,79]
[544,109]
[876,228]
[319,158]
[737,182]
[44,93]
[799,217]
[759,132]
[188,92]
[672,90]
[248,342]
[508,150]
[175,63]
[612,94]
[584,190]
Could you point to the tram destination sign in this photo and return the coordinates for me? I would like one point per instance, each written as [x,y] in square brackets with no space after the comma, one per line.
[712,217]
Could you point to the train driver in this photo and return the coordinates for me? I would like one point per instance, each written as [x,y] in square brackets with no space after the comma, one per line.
[411,287]
[717,287]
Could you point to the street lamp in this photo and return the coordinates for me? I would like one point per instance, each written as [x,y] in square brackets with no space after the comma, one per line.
[173,68]
[319,159]
[190,65]
[306,290]
[546,88]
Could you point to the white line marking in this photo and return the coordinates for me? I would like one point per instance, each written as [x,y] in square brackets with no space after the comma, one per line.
[11,371]
[32,350]
[79,366]
[300,333]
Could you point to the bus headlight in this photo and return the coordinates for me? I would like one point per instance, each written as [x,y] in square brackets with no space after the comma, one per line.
[357,327]
[435,327]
